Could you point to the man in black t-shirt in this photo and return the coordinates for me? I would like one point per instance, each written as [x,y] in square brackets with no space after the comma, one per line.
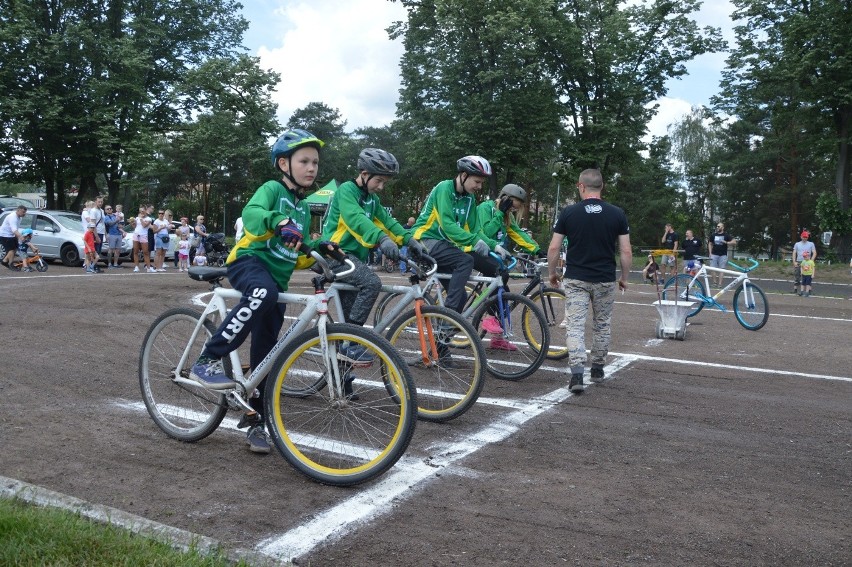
[691,248]
[669,242]
[718,247]
[593,229]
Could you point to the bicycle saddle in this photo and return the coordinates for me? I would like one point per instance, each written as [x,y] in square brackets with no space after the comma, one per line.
[207,273]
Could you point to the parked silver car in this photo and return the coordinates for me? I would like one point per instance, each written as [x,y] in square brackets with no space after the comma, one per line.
[57,234]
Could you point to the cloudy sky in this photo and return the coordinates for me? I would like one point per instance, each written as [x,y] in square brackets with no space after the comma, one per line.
[339,53]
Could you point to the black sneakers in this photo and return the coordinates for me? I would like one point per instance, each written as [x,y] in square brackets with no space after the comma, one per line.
[257,440]
[576,384]
[597,373]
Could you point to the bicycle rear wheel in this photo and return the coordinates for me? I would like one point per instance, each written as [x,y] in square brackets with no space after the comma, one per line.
[341,440]
[524,345]
[751,307]
[551,301]
[450,383]
[183,411]
[687,290]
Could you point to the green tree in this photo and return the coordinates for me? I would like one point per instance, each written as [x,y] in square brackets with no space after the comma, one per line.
[338,156]
[790,79]
[474,83]
[88,87]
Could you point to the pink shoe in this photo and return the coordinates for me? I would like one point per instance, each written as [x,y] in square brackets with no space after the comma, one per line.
[502,344]
[491,325]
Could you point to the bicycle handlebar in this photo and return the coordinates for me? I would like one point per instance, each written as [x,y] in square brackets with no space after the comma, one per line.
[753,264]
[512,260]
[337,254]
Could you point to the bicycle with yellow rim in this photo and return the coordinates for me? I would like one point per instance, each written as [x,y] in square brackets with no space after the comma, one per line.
[330,425]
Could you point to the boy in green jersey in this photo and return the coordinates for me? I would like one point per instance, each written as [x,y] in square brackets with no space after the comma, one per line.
[260,266]
[357,222]
[449,229]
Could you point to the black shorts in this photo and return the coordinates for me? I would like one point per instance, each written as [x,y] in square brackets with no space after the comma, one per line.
[9,243]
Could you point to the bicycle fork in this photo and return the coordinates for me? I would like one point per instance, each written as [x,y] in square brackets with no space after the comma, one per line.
[428,352]
[504,314]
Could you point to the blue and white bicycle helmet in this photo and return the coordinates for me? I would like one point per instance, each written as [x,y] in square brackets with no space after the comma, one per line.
[474,165]
[286,144]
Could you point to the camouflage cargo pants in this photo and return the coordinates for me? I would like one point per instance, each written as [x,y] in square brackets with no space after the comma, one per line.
[579,297]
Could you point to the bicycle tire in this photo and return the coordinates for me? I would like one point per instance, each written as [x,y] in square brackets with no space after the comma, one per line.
[445,390]
[551,301]
[686,291]
[41,265]
[183,412]
[341,441]
[527,321]
[751,312]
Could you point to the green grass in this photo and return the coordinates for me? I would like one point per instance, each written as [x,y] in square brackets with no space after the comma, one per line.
[31,535]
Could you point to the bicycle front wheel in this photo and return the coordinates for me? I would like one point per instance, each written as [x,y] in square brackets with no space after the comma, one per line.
[687,290]
[751,307]
[184,411]
[551,301]
[523,346]
[333,437]
[451,379]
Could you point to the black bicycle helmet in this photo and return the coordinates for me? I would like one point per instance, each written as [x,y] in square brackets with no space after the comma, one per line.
[378,162]
[474,165]
[516,191]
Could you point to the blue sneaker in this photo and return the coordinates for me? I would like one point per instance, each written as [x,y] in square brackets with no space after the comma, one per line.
[211,374]
[356,355]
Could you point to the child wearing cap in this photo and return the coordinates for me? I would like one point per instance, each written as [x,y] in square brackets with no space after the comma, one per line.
[89,248]
[804,245]
[808,269]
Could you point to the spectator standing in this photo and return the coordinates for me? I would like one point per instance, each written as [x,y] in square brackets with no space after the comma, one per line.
[691,249]
[149,210]
[594,230]
[96,215]
[669,242]
[799,249]
[161,240]
[140,240]
[89,248]
[718,247]
[183,250]
[808,268]
[200,235]
[114,235]
[10,234]
[276,217]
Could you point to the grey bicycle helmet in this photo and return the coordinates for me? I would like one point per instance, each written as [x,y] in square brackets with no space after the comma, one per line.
[512,190]
[377,162]
[474,165]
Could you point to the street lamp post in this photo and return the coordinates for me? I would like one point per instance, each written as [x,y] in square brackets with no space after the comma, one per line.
[556,207]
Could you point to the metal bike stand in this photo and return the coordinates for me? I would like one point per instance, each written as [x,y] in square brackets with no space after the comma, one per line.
[672,323]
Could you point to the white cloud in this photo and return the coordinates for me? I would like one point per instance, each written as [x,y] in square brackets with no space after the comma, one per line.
[670,110]
[337,53]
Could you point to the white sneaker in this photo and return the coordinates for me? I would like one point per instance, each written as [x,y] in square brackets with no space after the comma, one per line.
[152,270]
[161,269]
[136,269]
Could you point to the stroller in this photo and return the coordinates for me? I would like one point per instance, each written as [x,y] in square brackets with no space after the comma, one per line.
[216,249]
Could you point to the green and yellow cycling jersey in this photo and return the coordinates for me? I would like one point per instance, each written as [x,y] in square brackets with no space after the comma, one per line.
[492,221]
[356,220]
[272,203]
[448,215]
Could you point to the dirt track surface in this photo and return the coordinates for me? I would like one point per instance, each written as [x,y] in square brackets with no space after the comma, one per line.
[729,448]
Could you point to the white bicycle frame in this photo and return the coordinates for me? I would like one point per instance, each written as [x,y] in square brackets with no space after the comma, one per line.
[316,306]
[739,278]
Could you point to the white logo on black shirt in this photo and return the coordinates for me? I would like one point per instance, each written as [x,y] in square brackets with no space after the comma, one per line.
[593,209]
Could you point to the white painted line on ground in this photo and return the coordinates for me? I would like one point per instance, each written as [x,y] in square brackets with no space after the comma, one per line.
[338,521]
